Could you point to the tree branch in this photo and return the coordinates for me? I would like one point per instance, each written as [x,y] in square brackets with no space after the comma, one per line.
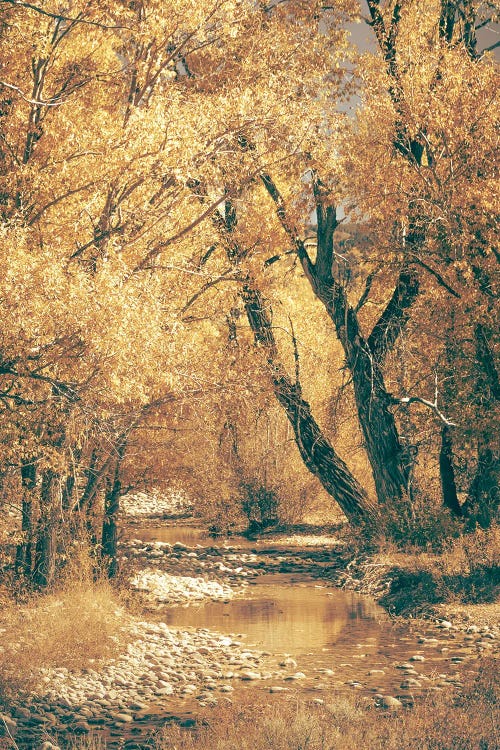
[59,16]
[394,317]
[432,405]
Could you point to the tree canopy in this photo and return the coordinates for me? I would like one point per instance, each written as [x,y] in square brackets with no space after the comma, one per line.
[239,253]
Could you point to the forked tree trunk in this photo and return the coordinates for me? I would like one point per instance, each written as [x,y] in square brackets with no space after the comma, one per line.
[391,465]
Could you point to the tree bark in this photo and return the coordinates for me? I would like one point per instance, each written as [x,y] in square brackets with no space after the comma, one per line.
[390,462]
[316,451]
[109,539]
[45,549]
[447,474]
[483,498]
[24,549]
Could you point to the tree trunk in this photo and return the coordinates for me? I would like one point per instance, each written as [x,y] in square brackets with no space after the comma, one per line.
[316,451]
[45,548]
[391,465]
[484,493]
[390,462]
[70,483]
[447,474]
[483,499]
[24,549]
[109,539]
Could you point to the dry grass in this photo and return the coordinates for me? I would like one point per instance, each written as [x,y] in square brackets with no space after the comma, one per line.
[440,722]
[79,621]
[466,572]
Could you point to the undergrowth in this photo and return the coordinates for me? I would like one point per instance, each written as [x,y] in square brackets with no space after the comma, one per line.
[77,622]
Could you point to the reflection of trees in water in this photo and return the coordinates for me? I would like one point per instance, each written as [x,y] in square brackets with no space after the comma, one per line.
[284,618]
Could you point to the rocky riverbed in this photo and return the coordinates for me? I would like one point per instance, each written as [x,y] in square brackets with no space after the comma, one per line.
[167,671]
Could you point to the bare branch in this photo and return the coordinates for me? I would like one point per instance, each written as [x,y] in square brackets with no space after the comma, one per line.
[36,102]
[291,231]
[437,276]
[213,282]
[366,292]
[432,405]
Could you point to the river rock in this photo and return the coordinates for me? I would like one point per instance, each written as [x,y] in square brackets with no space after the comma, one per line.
[388,701]
[122,717]
[288,662]
[81,727]
[21,713]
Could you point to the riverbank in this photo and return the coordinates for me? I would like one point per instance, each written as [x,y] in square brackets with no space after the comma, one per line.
[157,671]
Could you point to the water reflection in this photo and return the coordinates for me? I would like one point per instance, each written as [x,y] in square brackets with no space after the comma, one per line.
[188,535]
[287,618]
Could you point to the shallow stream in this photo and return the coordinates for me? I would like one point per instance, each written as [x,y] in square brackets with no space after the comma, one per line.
[338,639]
[279,627]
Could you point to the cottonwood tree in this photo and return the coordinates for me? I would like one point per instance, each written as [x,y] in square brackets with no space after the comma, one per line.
[420,161]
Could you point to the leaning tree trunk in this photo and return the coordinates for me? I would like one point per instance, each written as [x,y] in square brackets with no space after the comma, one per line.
[391,465]
[316,451]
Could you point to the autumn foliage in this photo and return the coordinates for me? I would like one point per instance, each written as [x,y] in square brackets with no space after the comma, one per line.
[236,252]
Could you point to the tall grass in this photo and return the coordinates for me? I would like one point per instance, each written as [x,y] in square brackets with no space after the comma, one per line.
[77,622]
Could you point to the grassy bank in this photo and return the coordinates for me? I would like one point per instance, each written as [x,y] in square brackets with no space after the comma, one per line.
[462,576]
[77,623]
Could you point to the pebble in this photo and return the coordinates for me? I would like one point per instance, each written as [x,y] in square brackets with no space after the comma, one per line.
[127,718]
